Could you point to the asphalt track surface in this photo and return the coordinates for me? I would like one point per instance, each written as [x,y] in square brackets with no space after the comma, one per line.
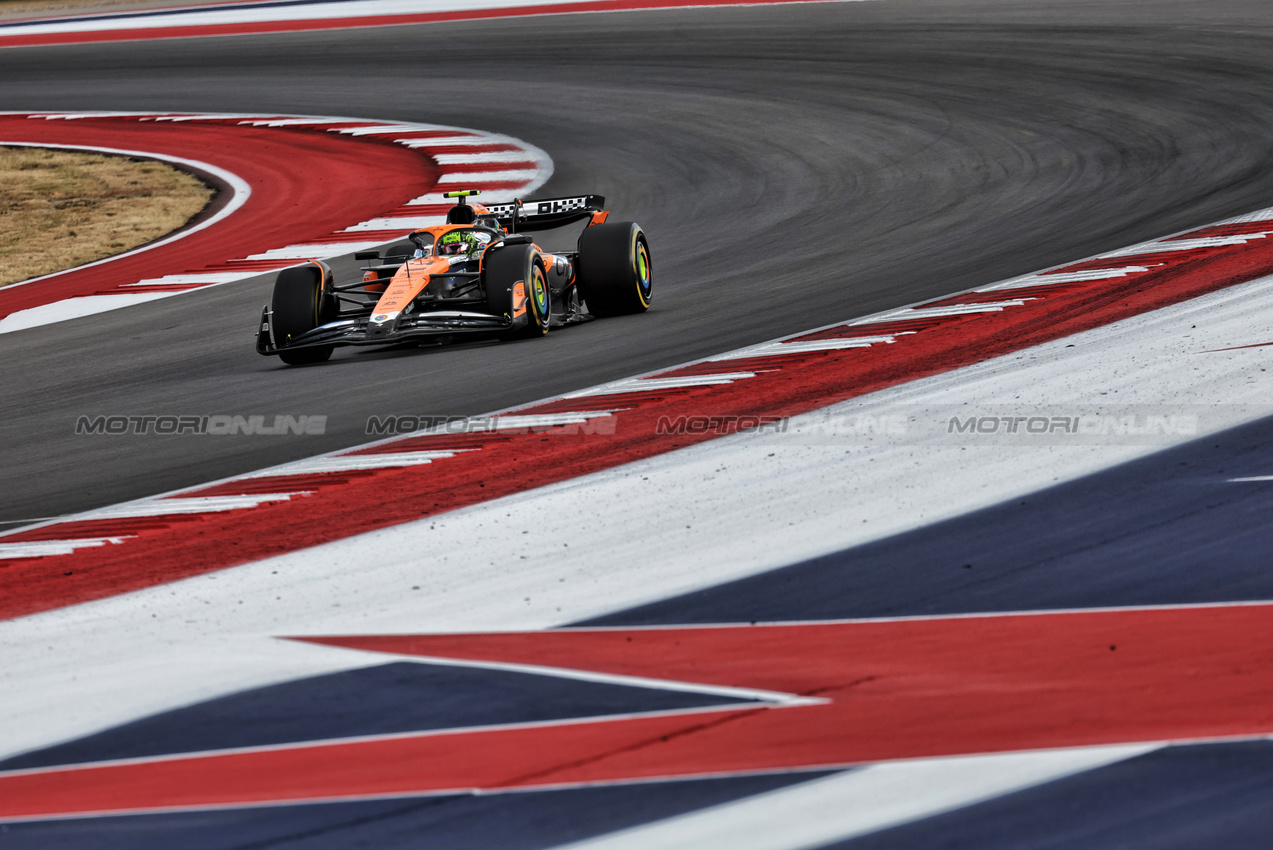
[792,165]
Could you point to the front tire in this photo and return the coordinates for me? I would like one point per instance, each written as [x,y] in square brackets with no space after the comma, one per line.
[615,273]
[517,287]
[300,303]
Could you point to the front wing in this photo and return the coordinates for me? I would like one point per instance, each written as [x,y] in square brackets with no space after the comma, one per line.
[360,331]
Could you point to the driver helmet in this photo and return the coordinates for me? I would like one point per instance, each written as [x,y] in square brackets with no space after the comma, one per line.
[456,242]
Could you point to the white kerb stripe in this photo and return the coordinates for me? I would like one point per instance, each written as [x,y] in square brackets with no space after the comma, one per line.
[295,122]
[518,175]
[1258,215]
[779,348]
[1065,277]
[181,505]
[937,312]
[44,548]
[432,199]
[1184,245]
[76,308]
[859,802]
[637,385]
[448,141]
[546,420]
[215,116]
[305,252]
[811,345]
[389,129]
[76,116]
[453,159]
[181,279]
[348,463]
[403,223]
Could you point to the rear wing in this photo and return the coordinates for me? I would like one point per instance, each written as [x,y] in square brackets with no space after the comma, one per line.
[546,214]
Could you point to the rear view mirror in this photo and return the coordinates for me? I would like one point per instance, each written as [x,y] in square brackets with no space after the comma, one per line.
[367,255]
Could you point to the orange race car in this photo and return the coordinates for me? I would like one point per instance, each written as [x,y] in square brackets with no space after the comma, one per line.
[480,273]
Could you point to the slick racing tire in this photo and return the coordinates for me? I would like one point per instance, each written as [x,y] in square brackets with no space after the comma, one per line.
[514,279]
[614,269]
[299,304]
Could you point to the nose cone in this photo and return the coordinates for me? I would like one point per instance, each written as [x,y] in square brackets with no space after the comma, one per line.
[383,324]
[407,283]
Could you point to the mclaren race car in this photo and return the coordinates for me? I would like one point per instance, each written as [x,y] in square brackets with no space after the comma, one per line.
[479,274]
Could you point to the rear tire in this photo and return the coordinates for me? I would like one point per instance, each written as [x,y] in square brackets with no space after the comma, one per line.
[615,274]
[505,271]
[299,304]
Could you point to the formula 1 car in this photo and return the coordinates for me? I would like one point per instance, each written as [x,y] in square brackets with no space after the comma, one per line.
[478,274]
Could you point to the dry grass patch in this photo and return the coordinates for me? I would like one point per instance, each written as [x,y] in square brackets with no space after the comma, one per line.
[17,9]
[60,209]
